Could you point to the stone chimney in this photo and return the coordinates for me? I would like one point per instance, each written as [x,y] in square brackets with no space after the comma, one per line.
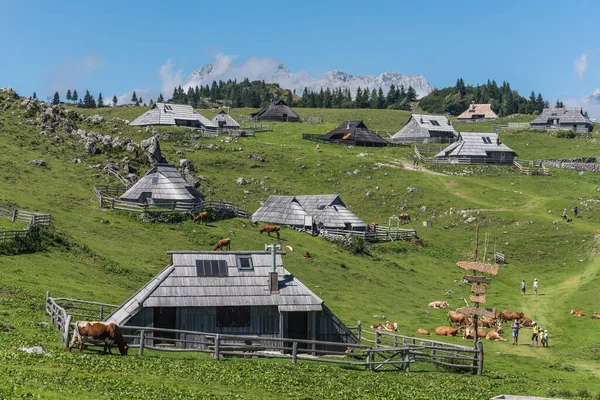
[273,277]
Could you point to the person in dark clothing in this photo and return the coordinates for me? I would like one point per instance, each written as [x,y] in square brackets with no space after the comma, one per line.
[575,212]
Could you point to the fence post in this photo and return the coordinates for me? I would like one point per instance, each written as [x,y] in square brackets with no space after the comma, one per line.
[294,352]
[368,363]
[479,361]
[142,342]
[377,333]
[358,330]
[66,332]
[101,313]
[14,216]
[216,354]
[113,203]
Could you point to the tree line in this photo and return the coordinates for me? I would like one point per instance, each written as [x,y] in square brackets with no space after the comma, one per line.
[88,101]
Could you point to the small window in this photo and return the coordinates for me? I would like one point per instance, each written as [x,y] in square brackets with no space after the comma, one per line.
[211,268]
[155,180]
[233,317]
[472,110]
[245,263]
[434,122]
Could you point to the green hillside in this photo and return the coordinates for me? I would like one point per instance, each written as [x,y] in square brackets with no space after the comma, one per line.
[96,254]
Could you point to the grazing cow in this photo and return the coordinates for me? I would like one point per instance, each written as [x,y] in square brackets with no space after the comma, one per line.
[488,322]
[404,218]
[201,217]
[223,243]
[422,331]
[469,333]
[596,315]
[269,229]
[510,315]
[288,247]
[307,255]
[494,334]
[438,304]
[391,327]
[526,322]
[578,313]
[457,317]
[105,331]
[446,331]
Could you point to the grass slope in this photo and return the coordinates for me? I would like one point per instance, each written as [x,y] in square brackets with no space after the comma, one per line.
[105,256]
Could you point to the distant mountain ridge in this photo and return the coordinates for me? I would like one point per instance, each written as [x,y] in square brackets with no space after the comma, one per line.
[280,74]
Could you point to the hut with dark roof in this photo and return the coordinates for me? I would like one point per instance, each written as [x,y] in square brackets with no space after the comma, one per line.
[563,119]
[225,121]
[235,293]
[329,211]
[476,148]
[276,111]
[478,112]
[162,186]
[354,133]
[424,128]
[173,115]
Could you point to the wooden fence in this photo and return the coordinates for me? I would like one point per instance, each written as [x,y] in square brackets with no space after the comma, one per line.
[381,234]
[379,351]
[530,167]
[257,127]
[32,218]
[108,198]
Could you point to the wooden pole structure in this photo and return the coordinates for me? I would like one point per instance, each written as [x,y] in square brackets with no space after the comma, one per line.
[476,317]
[142,342]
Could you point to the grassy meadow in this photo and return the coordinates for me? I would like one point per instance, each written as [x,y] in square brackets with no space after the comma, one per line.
[100,255]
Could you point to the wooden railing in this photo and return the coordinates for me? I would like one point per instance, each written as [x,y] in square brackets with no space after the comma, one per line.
[32,218]
[382,234]
[383,350]
[528,167]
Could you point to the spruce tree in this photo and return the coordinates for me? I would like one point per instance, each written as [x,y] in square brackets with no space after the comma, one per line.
[140,100]
[74,96]
[100,100]
[56,99]
[69,97]
[34,96]
[160,98]
[115,100]
[380,99]
[134,98]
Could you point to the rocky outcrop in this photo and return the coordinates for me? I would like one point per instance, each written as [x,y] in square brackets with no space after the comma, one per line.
[586,164]
[152,148]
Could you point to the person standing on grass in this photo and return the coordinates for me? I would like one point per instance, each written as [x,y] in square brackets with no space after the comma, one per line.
[564,215]
[523,286]
[515,331]
[545,338]
[535,286]
[575,212]
[535,335]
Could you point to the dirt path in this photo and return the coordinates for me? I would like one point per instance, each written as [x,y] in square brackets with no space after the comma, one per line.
[399,163]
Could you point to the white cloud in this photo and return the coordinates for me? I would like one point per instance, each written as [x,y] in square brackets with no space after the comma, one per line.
[70,72]
[169,78]
[591,104]
[580,65]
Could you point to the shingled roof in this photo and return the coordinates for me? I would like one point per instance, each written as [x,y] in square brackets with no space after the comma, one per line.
[567,115]
[354,133]
[276,111]
[478,111]
[173,114]
[162,183]
[181,285]
[224,120]
[292,210]
[425,126]
[479,144]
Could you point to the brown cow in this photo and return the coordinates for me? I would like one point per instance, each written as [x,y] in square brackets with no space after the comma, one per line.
[578,313]
[510,315]
[494,334]
[469,333]
[422,331]
[527,322]
[223,243]
[446,331]
[438,304]
[391,327]
[269,229]
[97,330]
[596,315]
[457,317]
[201,217]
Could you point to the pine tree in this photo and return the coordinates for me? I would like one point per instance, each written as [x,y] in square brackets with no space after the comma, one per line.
[559,104]
[392,95]
[74,96]
[100,100]
[115,100]
[134,98]
[140,100]
[69,97]
[411,94]
[160,99]
[56,99]
[380,99]
[151,101]
[34,96]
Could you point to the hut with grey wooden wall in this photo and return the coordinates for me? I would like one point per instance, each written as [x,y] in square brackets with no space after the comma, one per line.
[354,133]
[225,121]
[173,115]
[567,118]
[162,186]
[477,148]
[423,128]
[328,210]
[276,111]
[231,293]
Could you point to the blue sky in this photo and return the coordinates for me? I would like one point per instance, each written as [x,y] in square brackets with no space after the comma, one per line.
[115,47]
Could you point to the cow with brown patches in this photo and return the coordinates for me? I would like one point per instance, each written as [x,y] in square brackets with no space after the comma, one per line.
[458,318]
[510,316]
[596,315]
[98,330]
[469,332]
[270,229]
[223,243]
[422,331]
[446,331]
[578,313]
[527,322]
[494,334]
[202,217]
[438,304]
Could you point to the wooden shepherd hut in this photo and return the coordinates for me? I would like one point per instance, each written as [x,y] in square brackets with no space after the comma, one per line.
[329,211]
[173,115]
[423,128]
[478,112]
[476,148]
[225,121]
[354,133]
[563,119]
[231,292]
[276,111]
[162,186]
